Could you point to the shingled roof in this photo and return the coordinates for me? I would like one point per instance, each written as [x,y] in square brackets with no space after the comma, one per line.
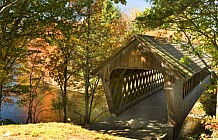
[171,53]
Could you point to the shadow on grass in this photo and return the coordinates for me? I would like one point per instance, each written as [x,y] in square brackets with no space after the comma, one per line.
[137,129]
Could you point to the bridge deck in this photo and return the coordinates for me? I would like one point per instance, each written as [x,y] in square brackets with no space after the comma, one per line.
[144,120]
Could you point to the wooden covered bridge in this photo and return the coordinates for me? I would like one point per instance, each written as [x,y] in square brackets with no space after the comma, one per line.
[146,65]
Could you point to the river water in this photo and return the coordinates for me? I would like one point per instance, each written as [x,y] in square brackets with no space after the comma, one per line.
[18,114]
[13,112]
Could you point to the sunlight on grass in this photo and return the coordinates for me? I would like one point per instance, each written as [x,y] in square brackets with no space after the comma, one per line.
[47,131]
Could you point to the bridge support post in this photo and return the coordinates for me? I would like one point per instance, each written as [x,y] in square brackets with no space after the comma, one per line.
[170,102]
[173,105]
[105,76]
[108,96]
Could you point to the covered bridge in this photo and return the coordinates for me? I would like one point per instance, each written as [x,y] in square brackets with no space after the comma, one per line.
[145,65]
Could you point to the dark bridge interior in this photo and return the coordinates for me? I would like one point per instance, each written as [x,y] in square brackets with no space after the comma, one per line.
[130,86]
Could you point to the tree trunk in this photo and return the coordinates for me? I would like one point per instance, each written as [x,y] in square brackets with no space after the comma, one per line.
[217,103]
[216,92]
[29,117]
[1,95]
[87,75]
[93,91]
[86,121]
[65,93]
[59,109]
[87,69]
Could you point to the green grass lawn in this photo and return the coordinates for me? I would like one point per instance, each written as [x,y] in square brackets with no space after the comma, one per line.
[47,131]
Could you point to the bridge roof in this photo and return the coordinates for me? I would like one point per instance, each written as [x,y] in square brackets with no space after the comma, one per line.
[185,63]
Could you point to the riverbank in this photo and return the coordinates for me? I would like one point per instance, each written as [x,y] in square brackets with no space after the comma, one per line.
[53,130]
[192,125]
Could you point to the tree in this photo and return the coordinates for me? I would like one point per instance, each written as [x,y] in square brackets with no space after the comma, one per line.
[81,41]
[20,22]
[104,30]
[12,45]
[64,34]
[31,77]
[60,64]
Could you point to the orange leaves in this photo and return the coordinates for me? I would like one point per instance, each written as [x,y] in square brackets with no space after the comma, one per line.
[211,123]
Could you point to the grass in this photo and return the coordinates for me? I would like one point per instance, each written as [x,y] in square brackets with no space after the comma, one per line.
[47,131]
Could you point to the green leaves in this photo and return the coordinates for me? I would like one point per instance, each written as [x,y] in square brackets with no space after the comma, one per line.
[185,60]
[124,2]
[195,21]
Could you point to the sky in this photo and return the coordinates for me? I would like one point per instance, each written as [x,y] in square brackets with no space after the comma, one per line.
[139,4]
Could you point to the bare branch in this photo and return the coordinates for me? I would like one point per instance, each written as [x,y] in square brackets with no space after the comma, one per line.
[7,6]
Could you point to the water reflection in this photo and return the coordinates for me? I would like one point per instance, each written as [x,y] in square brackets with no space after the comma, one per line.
[45,113]
[18,114]
[13,111]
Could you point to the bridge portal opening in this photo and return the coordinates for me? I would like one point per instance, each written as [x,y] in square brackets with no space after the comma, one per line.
[130,86]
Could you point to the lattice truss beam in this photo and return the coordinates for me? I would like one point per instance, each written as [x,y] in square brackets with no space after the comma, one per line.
[130,86]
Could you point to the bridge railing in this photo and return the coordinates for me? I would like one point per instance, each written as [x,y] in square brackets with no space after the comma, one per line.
[191,83]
